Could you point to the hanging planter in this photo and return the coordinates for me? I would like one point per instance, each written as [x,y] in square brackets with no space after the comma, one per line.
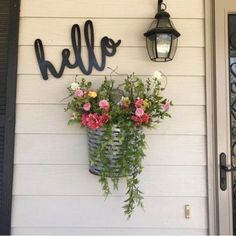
[112,151]
[114,116]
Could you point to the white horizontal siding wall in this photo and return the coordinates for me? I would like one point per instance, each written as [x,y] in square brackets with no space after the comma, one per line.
[53,191]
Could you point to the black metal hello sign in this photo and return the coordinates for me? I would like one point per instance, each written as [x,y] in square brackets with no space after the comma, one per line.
[108,49]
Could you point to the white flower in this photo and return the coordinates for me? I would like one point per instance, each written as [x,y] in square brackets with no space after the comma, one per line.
[74,86]
[157,75]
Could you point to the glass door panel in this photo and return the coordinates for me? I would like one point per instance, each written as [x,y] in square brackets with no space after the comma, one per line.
[232,94]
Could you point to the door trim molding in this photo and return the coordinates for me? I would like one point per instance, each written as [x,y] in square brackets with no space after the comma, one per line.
[213,218]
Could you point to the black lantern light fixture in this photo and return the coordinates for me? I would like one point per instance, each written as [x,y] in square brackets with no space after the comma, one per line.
[162,37]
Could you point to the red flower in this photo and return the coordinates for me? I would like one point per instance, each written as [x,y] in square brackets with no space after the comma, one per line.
[104,118]
[95,121]
[84,119]
[144,119]
[137,120]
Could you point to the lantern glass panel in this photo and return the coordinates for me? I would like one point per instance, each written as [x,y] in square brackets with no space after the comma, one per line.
[163,45]
[153,25]
[172,24]
[151,48]
[173,47]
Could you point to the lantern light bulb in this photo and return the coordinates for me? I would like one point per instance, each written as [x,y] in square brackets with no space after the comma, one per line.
[163,44]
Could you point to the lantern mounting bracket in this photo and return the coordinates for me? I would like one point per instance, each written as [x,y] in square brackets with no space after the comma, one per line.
[161,6]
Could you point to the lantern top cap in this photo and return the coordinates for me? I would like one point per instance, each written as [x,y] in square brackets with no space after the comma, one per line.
[162,31]
[162,23]
[162,14]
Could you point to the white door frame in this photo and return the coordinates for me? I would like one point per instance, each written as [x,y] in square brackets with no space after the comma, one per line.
[218,135]
[210,117]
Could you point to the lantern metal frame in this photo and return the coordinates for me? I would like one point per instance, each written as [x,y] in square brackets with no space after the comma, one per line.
[163,26]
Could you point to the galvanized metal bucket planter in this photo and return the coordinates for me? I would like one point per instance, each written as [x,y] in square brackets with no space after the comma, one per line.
[111,151]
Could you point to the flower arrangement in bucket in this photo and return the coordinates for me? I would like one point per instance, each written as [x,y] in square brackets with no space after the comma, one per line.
[114,116]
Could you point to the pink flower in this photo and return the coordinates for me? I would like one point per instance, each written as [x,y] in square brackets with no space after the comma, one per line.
[138,103]
[87,106]
[166,106]
[79,93]
[104,104]
[139,112]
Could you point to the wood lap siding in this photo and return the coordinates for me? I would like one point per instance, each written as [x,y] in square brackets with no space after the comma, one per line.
[53,191]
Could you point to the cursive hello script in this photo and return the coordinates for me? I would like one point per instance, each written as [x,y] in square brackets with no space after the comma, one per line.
[108,49]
